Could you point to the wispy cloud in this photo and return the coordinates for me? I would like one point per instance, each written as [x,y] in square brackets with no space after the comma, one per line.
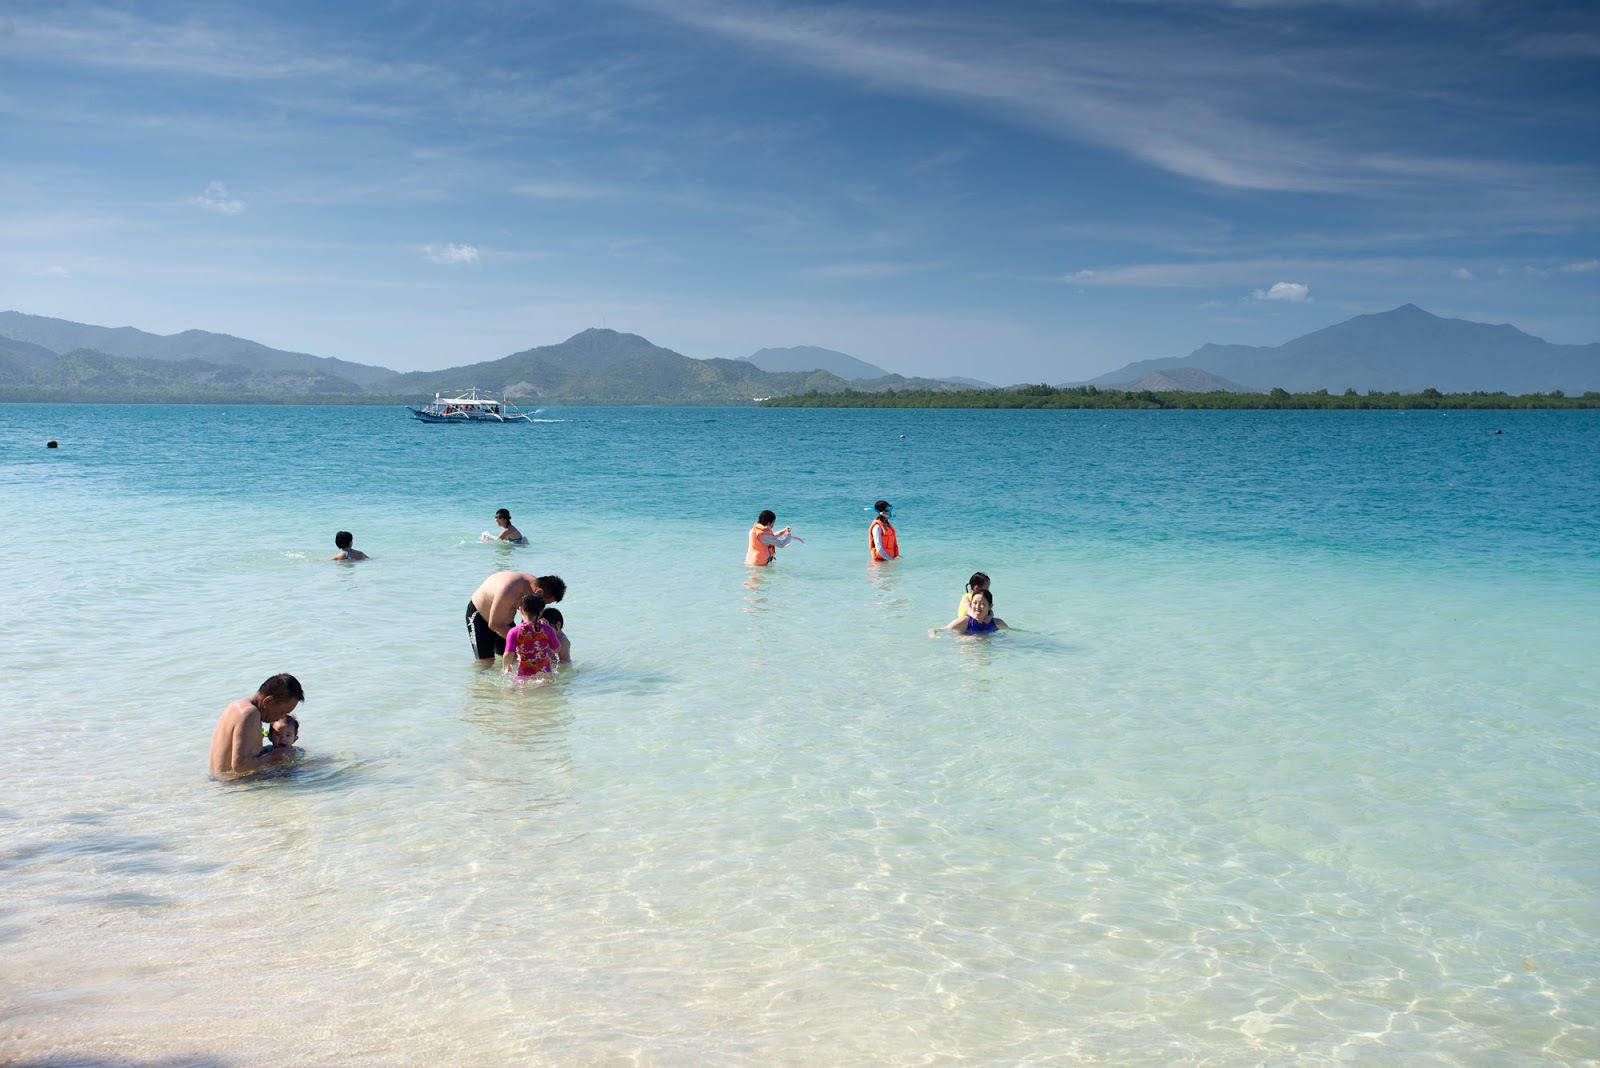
[1463,274]
[861,271]
[451,253]
[216,198]
[1579,267]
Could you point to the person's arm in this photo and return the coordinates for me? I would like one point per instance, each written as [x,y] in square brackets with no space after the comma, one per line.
[563,648]
[957,623]
[1000,623]
[248,756]
[877,539]
[777,541]
[509,663]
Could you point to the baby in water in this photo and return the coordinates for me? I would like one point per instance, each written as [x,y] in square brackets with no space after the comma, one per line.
[283,734]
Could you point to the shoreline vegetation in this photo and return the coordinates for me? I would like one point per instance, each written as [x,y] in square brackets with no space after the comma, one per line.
[1039,396]
[1043,396]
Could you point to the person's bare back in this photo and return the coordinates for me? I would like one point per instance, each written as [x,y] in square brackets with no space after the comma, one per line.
[493,609]
[236,749]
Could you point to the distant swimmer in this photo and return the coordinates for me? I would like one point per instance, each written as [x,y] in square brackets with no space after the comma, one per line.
[765,542]
[553,617]
[343,540]
[236,742]
[493,608]
[51,444]
[980,618]
[881,538]
[532,646]
[508,533]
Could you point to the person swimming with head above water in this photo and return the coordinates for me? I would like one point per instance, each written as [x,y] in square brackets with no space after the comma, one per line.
[980,618]
[343,542]
[508,533]
[236,741]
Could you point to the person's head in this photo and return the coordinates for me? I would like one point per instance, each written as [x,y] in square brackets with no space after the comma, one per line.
[344,539]
[767,517]
[978,581]
[532,606]
[278,696]
[550,587]
[553,617]
[884,508]
[503,517]
[286,731]
[982,605]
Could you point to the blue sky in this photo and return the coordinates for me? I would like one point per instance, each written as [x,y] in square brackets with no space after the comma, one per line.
[1022,191]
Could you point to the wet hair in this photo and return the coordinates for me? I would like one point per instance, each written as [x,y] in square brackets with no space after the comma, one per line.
[553,617]
[882,506]
[978,581]
[501,513]
[554,589]
[344,539]
[283,685]
[767,518]
[532,605]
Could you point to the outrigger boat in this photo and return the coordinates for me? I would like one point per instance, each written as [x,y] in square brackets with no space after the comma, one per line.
[473,406]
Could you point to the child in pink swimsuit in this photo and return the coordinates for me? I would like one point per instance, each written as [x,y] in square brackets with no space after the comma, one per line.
[533,645]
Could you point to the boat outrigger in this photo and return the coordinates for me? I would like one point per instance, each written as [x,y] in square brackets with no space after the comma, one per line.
[472,406]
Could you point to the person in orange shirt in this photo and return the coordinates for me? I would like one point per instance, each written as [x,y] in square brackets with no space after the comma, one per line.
[765,542]
[881,537]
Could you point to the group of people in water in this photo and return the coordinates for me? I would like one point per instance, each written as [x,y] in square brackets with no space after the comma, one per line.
[511,616]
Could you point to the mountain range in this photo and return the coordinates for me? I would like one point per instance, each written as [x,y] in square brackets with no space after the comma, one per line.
[1405,349]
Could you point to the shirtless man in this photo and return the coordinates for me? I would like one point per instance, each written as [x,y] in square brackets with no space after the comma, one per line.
[236,743]
[492,612]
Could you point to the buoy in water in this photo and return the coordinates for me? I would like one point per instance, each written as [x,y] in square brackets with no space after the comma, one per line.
[51,444]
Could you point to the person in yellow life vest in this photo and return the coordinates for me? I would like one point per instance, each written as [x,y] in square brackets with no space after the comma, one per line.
[880,536]
[765,542]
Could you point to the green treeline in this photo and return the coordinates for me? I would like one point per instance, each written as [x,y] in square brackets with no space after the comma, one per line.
[1042,396]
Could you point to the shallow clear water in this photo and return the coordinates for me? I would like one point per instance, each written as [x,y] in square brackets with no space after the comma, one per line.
[1291,758]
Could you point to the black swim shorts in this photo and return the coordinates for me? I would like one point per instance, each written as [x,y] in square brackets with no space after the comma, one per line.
[486,644]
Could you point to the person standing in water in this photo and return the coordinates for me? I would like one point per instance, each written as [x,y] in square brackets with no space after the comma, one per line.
[493,608]
[881,537]
[765,542]
[533,645]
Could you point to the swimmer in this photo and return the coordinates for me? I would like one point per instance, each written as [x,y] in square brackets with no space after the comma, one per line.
[553,617]
[978,581]
[765,542]
[508,533]
[980,620]
[236,742]
[533,645]
[343,540]
[493,608]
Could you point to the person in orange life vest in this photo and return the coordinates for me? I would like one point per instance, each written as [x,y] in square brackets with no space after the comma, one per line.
[880,536]
[765,542]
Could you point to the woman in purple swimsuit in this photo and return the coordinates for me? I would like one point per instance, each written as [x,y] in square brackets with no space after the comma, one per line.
[980,618]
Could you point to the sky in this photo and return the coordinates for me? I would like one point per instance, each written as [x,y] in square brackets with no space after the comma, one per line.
[1013,191]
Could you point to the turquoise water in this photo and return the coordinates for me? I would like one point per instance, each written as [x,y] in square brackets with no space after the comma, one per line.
[1291,758]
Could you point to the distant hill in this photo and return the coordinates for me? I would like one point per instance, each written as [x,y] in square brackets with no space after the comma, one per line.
[971,383]
[812,358]
[1406,349]
[1181,380]
[31,372]
[608,367]
[60,336]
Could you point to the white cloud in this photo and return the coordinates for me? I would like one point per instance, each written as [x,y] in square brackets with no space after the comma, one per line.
[1463,274]
[216,199]
[55,270]
[1294,292]
[451,253]
[1581,267]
